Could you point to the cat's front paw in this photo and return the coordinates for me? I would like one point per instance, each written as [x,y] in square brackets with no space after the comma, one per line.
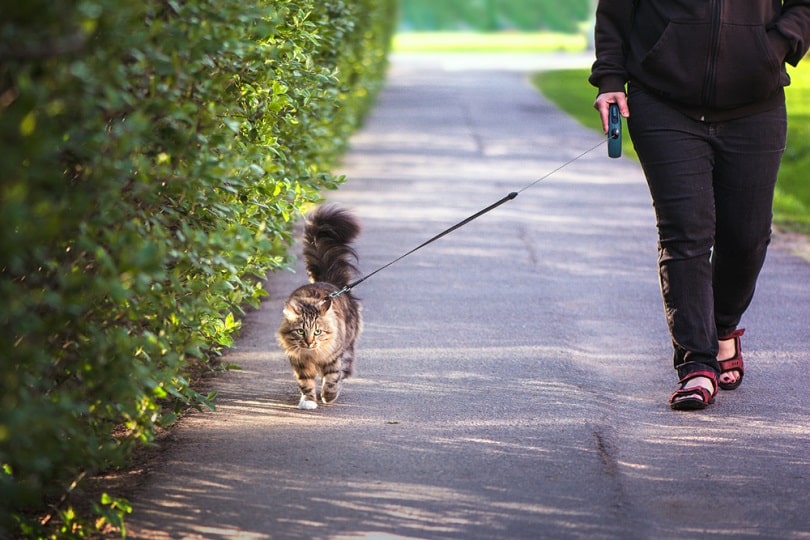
[307,404]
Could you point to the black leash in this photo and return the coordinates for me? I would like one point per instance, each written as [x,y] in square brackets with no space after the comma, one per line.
[460,224]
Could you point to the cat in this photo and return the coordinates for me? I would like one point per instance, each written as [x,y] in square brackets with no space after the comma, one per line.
[320,323]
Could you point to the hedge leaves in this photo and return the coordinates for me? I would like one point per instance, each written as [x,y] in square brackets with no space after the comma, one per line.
[153,157]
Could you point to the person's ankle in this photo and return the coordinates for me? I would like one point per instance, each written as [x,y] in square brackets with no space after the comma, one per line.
[726,349]
[705,382]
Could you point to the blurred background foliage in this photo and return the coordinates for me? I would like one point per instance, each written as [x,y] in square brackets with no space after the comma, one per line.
[493,15]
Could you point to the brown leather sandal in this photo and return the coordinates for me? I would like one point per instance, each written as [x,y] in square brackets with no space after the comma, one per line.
[692,399]
[735,363]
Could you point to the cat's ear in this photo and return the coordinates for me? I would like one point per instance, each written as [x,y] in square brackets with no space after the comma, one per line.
[291,310]
[324,305]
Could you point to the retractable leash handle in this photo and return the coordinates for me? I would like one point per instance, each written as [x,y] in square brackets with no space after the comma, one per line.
[614,133]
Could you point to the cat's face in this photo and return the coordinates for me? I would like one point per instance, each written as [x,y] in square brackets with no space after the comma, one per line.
[307,325]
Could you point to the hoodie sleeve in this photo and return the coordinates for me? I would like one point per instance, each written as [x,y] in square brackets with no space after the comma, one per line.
[794,28]
[613,21]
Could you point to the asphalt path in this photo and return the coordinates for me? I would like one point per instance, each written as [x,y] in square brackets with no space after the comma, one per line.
[513,377]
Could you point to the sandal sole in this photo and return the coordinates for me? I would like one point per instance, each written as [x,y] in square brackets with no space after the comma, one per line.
[689,404]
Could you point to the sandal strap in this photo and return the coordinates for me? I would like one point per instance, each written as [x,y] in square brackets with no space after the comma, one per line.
[735,334]
[731,364]
[705,395]
[736,362]
[711,375]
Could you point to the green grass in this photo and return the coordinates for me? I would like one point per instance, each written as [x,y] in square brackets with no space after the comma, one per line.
[570,91]
[792,204]
[501,42]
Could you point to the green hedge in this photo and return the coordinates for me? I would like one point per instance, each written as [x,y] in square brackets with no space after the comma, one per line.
[154,157]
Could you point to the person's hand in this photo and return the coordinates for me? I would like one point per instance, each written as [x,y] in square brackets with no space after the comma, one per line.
[602,104]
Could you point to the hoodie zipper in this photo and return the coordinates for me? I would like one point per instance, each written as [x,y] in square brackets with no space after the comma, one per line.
[711,64]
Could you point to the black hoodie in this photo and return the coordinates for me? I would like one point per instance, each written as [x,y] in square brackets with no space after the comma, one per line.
[713,59]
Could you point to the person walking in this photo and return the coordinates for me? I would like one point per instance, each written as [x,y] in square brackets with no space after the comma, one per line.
[701,84]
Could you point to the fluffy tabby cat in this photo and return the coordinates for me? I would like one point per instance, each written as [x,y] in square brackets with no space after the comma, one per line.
[318,331]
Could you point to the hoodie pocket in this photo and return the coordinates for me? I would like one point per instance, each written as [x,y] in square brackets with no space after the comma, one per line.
[747,68]
[675,66]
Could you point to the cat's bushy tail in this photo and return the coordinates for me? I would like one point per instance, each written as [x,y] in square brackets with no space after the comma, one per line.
[328,254]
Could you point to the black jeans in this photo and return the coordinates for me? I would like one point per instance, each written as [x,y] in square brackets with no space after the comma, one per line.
[712,188]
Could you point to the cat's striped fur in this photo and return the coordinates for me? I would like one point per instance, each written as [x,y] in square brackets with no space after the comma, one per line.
[318,332]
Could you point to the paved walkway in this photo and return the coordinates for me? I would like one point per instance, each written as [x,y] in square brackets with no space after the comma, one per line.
[513,377]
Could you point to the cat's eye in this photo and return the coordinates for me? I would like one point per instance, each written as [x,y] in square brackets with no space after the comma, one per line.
[299,331]
[318,332]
